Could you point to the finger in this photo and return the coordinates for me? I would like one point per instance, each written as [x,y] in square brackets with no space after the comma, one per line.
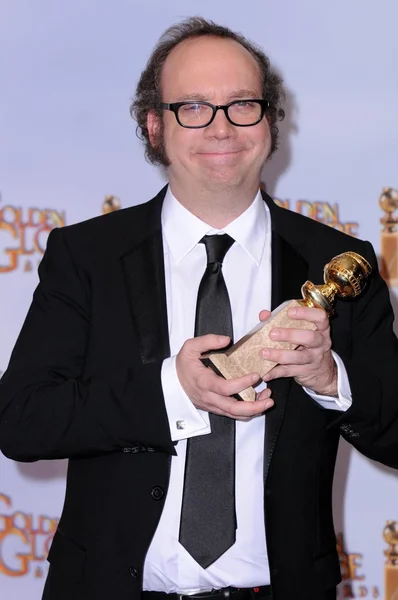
[266,396]
[281,371]
[229,387]
[239,409]
[299,337]
[230,407]
[314,315]
[297,371]
[288,357]
[249,409]
[264,315]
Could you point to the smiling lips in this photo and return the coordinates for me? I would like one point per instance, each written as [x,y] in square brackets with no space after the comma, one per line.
[221,153]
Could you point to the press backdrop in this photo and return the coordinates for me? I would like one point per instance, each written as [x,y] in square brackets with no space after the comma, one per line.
[67,73]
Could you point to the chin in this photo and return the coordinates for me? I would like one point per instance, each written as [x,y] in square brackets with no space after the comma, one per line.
[222,182]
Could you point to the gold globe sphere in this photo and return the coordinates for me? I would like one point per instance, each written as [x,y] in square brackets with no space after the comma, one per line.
[388,200]
[390,532]
[348,272]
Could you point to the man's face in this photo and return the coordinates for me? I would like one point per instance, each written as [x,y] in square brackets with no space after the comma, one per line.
[220,156]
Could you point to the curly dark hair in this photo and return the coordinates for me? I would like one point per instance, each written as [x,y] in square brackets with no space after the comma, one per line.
[148,93]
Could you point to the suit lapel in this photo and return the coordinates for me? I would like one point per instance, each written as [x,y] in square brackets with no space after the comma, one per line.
[143,267]
[289,272]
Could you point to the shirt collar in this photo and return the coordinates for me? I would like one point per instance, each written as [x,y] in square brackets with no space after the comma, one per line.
[183,230]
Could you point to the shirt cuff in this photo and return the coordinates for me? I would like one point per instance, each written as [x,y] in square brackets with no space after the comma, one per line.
[185,420]
[344,400]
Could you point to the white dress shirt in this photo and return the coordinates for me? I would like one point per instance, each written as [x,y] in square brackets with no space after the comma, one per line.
[247,273]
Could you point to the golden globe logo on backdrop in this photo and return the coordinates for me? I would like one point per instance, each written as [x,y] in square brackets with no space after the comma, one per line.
[23,235]
[323,212]
[25,540]
[354,583]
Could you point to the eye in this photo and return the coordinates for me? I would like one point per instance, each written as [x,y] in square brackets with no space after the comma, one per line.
[196,107]
[245,104]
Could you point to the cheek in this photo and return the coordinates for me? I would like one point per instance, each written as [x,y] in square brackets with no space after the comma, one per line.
[258,138]
[170,131]
[180,142]
[262,138]
[267,134]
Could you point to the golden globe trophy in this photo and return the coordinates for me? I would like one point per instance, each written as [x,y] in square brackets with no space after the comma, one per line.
[388,202]
[390,534]
[345,276]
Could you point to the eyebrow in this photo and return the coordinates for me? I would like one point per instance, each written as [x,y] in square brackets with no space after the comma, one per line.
[236,94]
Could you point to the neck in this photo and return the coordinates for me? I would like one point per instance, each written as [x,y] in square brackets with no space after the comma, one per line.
[216,208]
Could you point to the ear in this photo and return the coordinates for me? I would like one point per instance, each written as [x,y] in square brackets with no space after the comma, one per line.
[154,128]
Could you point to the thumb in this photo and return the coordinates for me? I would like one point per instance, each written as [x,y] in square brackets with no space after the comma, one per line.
[205,343]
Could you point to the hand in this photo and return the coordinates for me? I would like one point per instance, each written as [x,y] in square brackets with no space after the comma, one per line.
[311,364]
[211,392]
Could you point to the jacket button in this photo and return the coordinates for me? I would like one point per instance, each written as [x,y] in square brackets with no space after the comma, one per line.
[157,492]
[132,450]
[133,572]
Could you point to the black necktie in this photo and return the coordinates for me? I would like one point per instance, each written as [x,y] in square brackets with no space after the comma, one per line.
[208,520]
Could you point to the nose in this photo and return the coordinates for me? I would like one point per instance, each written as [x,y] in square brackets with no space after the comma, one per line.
[220,127]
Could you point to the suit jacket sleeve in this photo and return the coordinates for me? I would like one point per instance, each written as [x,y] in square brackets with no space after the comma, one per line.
[47,409]
[371,423]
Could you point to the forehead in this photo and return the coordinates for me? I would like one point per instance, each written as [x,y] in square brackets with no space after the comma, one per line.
[208,65]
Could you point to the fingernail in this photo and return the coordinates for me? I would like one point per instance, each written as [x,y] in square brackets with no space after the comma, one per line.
[265,353]
[293,312]
[223,338]
[255,378]
[275,333]
[269,404]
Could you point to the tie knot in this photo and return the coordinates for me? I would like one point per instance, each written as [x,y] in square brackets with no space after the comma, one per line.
[216,247]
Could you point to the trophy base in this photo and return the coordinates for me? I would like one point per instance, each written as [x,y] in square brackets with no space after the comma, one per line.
[391,581]
[244,356]
[389,262]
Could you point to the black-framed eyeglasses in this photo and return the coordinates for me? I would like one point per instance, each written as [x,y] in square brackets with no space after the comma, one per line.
[242,113]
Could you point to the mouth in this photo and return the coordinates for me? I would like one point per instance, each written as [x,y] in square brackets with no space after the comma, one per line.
[220,153]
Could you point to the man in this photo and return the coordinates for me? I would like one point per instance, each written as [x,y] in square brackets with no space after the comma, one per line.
[174,486]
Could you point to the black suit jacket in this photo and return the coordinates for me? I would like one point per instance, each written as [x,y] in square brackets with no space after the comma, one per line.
[84,383]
